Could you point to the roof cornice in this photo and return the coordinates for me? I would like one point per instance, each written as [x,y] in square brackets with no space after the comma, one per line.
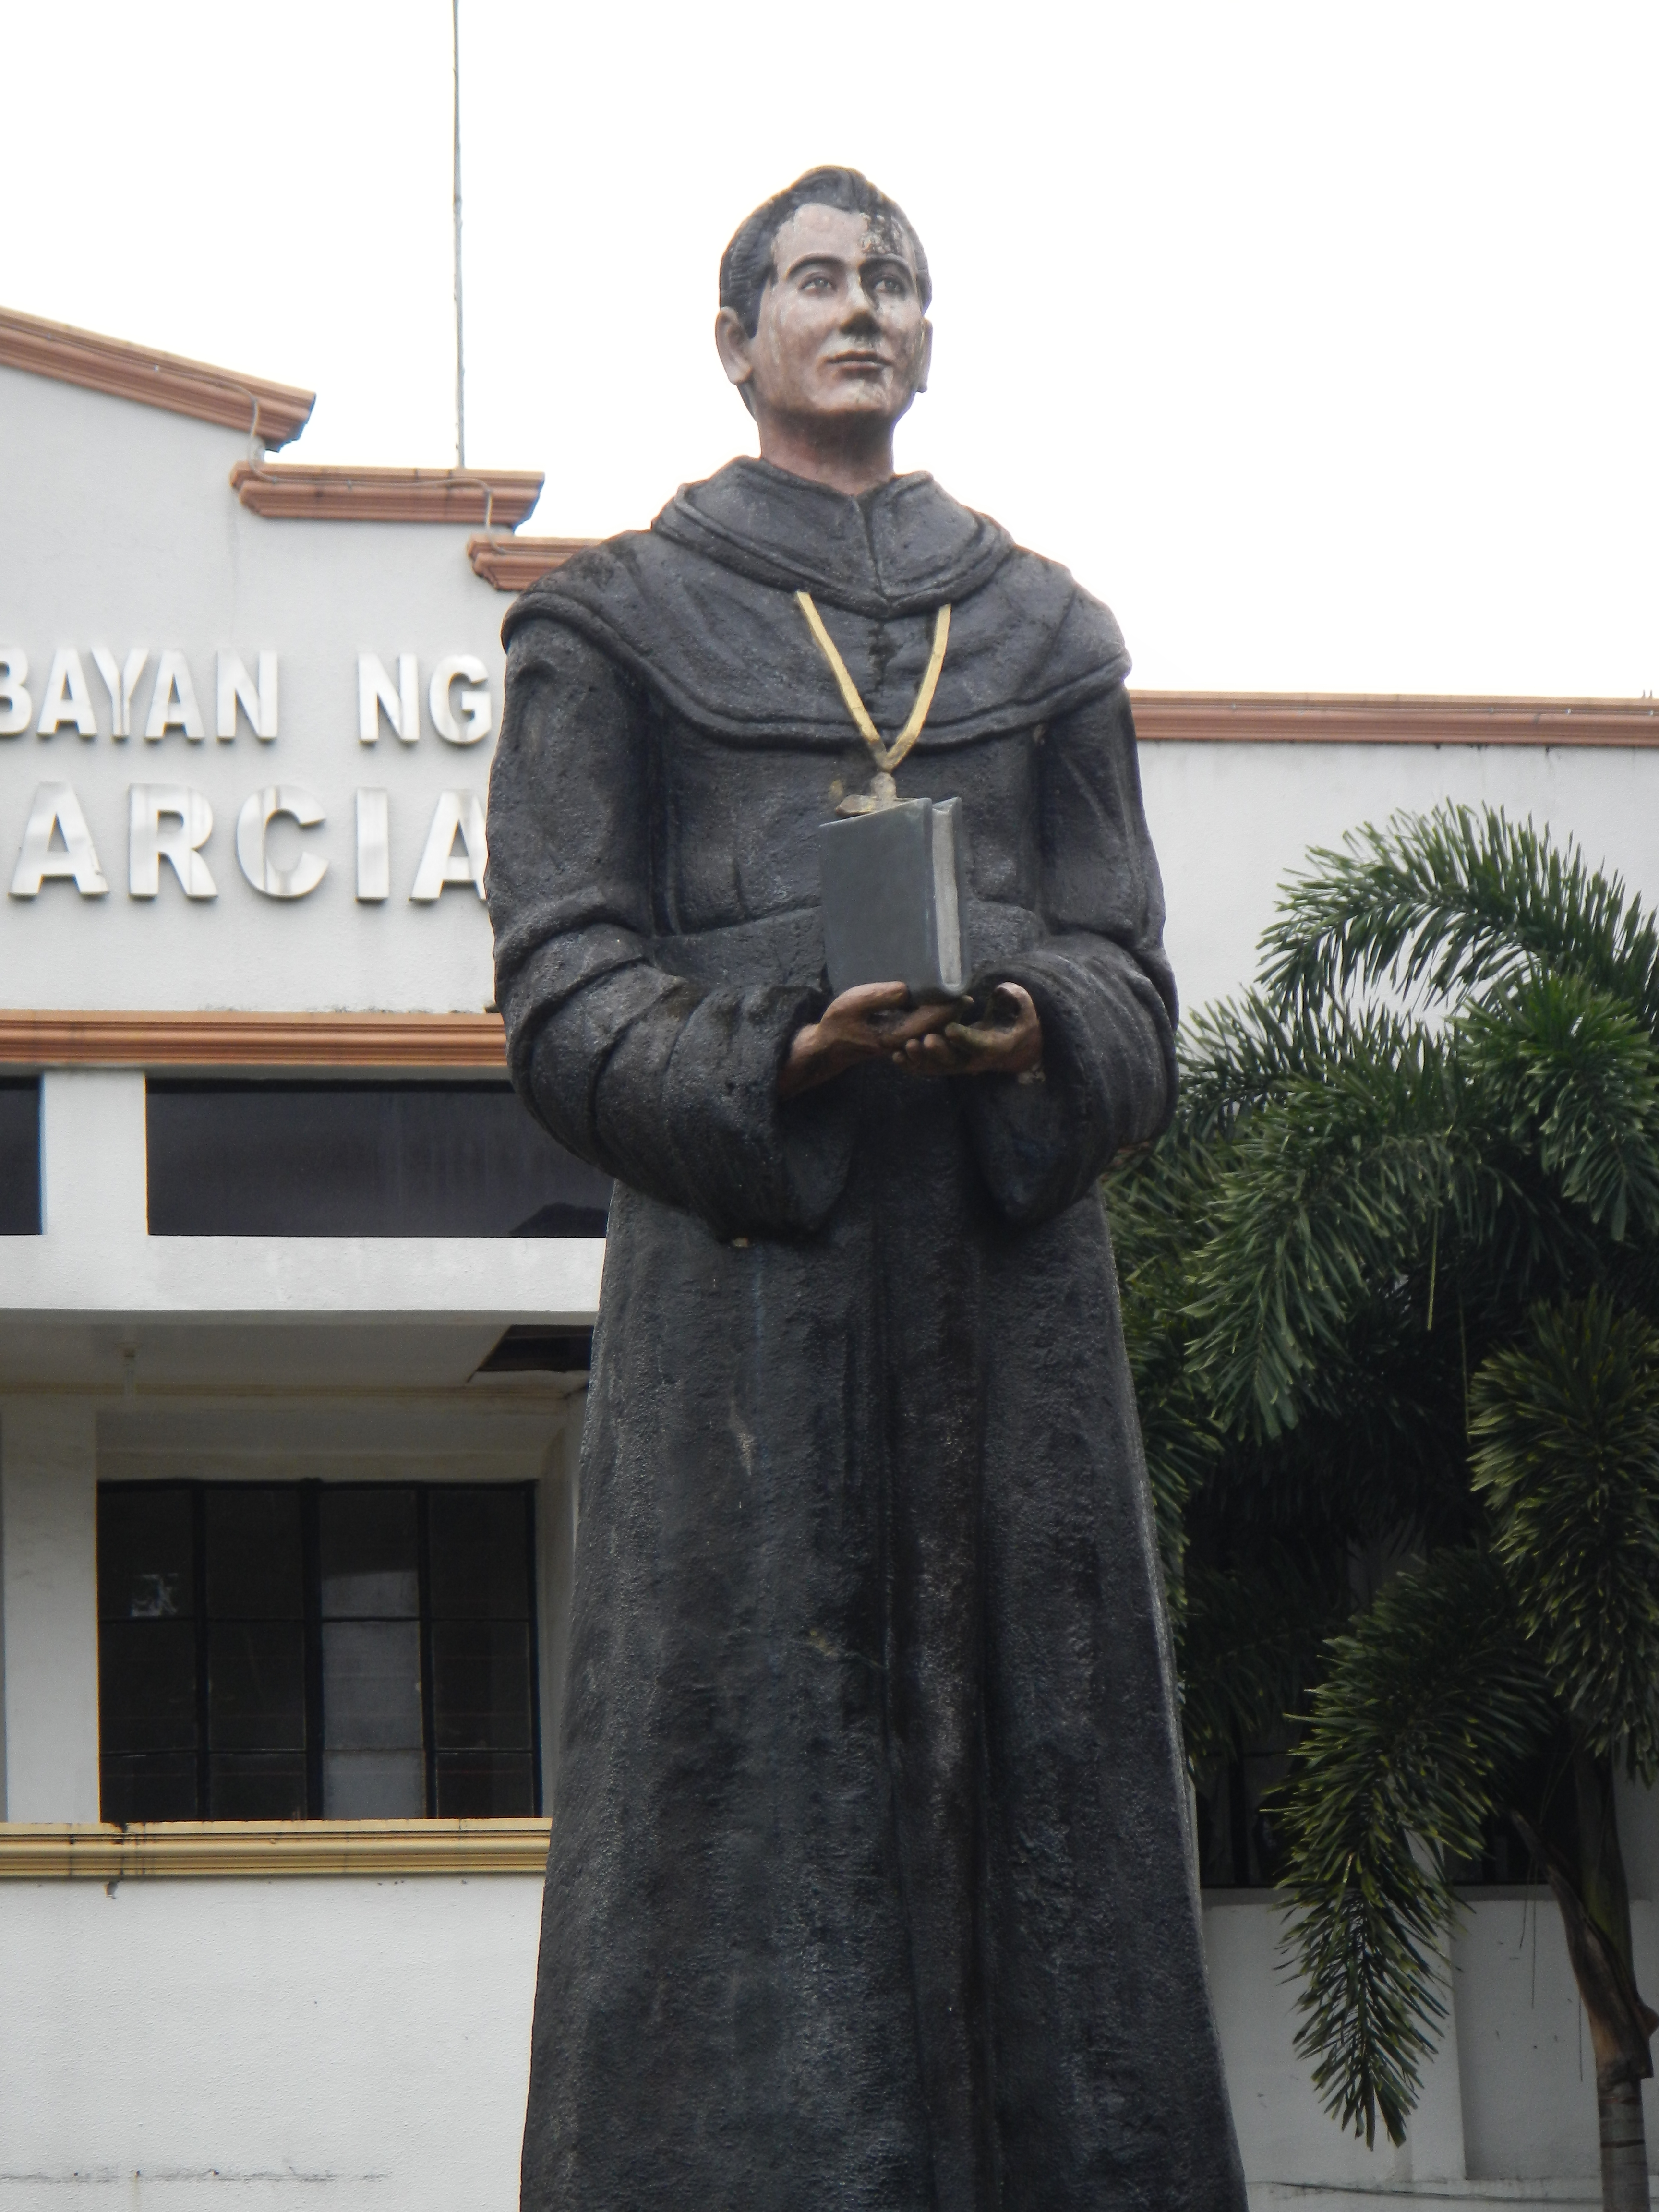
[274,413]
[498,498]
[1362,719]
[513,564]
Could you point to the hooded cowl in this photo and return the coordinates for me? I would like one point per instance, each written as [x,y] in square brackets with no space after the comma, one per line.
[675,605]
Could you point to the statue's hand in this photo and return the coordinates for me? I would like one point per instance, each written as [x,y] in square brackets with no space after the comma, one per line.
[872,1021]
[1007,1041]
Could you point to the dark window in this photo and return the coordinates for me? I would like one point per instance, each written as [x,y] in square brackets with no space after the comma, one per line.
[276,1651]
[359,1159]
[20,1157]
[530,1349]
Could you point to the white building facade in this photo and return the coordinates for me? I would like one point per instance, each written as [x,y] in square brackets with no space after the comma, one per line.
[293,1312]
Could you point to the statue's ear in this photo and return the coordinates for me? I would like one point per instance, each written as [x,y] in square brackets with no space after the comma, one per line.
[925,367]
[734,346]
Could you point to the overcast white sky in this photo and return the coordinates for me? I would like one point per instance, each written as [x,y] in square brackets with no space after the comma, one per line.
[1320,340]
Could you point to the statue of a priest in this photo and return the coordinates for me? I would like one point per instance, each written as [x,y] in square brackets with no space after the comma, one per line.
[869,1884]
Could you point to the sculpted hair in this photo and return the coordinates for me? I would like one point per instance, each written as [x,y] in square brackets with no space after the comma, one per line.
[746,264]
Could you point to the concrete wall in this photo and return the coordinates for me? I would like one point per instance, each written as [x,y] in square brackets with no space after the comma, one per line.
[122,530]
[96,1259]
[333,2043]
[1232,821]
[48,1473]
[347,2044]
[1510,2096]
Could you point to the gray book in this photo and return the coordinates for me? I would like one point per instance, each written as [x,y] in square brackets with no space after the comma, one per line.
[892,897]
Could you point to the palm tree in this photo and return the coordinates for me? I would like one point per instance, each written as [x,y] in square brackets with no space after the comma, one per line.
[1392,1284]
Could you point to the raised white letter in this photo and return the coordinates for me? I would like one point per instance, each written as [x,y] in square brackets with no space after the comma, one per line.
[67,698]
[15,704]
[235,683]
[173,702]
[189,820]
[457,811]
[261,871]
[475,704]
[57,808]
[402,707]
[374,847]
[121,682]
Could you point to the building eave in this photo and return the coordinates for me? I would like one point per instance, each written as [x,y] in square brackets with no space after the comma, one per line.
[1367,718]
[500,499]
[274,414]
[513,564]
[429,1042]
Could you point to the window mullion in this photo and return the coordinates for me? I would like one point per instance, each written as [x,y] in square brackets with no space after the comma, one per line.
[533,1615]
[198,1546]
[429,1732]
[312,1568]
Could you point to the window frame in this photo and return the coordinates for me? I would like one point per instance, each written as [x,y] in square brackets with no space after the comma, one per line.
[310,1490]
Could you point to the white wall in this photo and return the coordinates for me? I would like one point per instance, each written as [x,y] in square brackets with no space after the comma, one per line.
[96,1259]
[365,2043]
[1232,821]
[1510,2096]
[334,2043]
[122,530]
[1283,2133]
[48,1473]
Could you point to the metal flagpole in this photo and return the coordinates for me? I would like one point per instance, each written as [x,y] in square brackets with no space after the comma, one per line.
[460,356]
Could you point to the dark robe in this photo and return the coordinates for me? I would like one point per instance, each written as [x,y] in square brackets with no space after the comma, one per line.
[869,1883]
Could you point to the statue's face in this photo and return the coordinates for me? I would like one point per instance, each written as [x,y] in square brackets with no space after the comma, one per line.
[841,330]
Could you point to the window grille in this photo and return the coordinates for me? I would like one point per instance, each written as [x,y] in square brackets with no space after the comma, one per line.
[312,1651]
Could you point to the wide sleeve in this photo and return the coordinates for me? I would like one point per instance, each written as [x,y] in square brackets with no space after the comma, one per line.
[668,1086]
[1098,974]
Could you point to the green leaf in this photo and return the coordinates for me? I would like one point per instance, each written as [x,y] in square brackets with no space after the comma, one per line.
[1327,1200]
[1428,1703]
[1566,1430]
[1452,902]
[1575,1075]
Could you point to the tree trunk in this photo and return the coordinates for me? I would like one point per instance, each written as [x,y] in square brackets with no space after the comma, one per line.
[1595,1915]
[1602,1883]
[1624,2146]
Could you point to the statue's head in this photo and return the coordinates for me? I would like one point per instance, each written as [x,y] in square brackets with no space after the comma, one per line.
[824,293]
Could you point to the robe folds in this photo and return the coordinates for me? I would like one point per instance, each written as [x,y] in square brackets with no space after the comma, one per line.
[870,1887]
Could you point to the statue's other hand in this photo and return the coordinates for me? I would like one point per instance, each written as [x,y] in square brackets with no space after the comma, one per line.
[872,1021]
[1007,1040]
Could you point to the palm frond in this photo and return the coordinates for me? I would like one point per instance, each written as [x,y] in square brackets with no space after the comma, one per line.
[1566,1453]
[1241,1054]
[1576,1074]
[1249,1640]
[1427,1704]
[1324,1203]
[1452,901]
